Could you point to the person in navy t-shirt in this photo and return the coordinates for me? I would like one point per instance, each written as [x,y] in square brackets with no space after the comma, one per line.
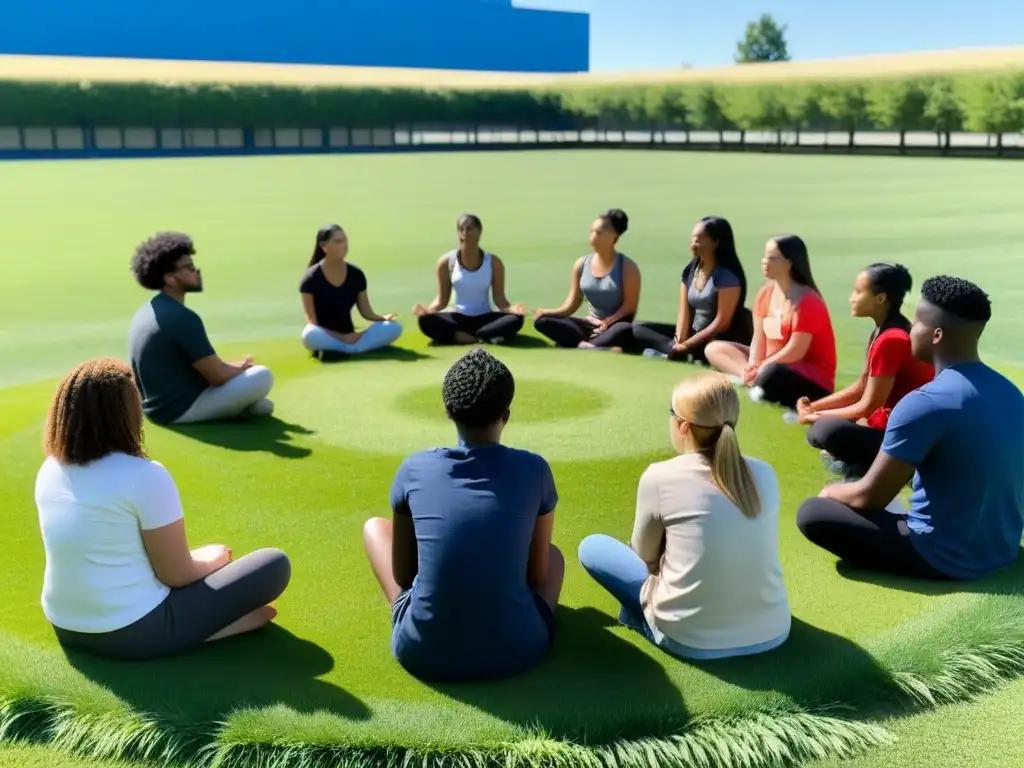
[961,438]
[466,561]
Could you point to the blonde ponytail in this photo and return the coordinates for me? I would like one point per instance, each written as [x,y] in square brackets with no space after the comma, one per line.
[708,403]
[730,473]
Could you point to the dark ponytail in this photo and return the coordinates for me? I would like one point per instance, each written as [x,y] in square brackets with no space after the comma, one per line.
[617,220]
[895,281]
[322,236]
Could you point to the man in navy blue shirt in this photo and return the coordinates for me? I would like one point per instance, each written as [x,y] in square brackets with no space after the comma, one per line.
[466,561]
[961,438]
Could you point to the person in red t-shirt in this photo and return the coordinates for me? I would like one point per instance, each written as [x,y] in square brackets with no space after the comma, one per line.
[793,352]
[849,425]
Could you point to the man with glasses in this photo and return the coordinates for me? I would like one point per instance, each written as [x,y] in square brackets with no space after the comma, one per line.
[180,376]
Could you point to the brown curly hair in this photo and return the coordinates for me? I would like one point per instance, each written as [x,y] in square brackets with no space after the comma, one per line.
[96,411]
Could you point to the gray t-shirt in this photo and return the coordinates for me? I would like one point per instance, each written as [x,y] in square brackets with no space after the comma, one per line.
[604,295]
[164,340]
[704,303]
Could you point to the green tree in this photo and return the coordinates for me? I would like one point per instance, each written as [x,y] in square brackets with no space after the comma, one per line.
[668,108]
[896,105]
[845,105]
[803,104]
[995,104]
[942,110]
[707,111]
[765,40]
[758,108]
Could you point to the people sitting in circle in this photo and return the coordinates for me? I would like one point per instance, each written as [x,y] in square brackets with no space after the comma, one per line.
[610,283]
[702,577]
[180,377]
[466,561]
[330,289]
[959,437]
[711,299]
[474,275]
[120,580]
[848,426]
[793,351]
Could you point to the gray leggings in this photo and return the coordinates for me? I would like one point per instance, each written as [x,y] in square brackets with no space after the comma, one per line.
[190,615]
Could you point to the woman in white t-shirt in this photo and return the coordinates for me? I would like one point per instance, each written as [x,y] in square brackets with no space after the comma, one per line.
[475,276]
[120,580]
[702,578]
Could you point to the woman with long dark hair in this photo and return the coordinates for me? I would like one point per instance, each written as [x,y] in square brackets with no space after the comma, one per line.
[711,299]
[609,281]
[330,289]
[793,350]
[121,580]
[848,426]
[475,277]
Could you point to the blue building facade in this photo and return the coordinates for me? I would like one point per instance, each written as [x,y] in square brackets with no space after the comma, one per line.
[435,34]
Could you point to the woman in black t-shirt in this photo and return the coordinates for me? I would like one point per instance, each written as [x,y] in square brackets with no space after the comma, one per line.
[330,289]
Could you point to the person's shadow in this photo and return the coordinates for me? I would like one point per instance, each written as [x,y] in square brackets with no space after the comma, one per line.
[588,671]
[190,691]
[398,354]
[1009,581]
[262,433]
[813,668]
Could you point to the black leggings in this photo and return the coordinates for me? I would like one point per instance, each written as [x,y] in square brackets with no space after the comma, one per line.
[190,615]
[569,332]
[851,443]
[658,336]
[874,540]
[783,385]
[495,327]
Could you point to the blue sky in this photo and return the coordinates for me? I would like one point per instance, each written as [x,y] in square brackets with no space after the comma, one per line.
[660,34]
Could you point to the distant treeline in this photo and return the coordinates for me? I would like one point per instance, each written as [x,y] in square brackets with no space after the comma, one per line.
[985,102]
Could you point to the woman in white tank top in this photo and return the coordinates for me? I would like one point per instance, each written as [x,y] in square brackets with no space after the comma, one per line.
[474,276]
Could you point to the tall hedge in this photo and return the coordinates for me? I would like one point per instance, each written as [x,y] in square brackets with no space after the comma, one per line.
[985,102]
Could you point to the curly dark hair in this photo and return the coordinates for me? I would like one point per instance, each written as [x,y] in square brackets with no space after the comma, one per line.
[958,297]
[158,256]
[478,390]
[96,411]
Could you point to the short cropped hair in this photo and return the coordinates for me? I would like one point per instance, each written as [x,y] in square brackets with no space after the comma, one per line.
[958,297]
[157,256]
[478,390]
[96,411]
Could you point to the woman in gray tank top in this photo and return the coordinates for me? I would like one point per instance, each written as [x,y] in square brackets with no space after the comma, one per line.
[609,281]
[711,300]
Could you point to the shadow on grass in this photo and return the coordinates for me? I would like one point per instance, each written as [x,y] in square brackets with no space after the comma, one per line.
[263,433]
[1009,581]
[265,668]
[594,686]
[813,667]
[386,353]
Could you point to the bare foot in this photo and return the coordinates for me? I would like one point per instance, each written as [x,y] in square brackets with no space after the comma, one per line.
[248,623]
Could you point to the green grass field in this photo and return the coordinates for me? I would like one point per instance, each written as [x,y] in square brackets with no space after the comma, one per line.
[321,688]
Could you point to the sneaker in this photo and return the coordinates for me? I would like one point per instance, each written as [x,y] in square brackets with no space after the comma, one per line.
[756,394]
[263,407]
[736,381]
[790,416]
[655,354]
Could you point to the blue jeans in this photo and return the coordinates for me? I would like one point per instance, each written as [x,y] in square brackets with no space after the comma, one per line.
[620,570]
[378,335]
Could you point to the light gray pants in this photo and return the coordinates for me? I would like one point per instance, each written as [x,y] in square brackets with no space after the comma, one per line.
[245,392]
[190,615]
[376,336]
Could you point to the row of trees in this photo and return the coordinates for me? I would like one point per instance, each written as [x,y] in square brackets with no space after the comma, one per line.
[980,102]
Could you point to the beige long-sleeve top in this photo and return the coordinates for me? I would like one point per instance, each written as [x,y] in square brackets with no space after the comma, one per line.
[719,582]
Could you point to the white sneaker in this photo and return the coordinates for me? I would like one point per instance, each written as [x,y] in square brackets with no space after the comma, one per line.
[655,353]
[790,416]
[736,380]
[263,407]
[756,394]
